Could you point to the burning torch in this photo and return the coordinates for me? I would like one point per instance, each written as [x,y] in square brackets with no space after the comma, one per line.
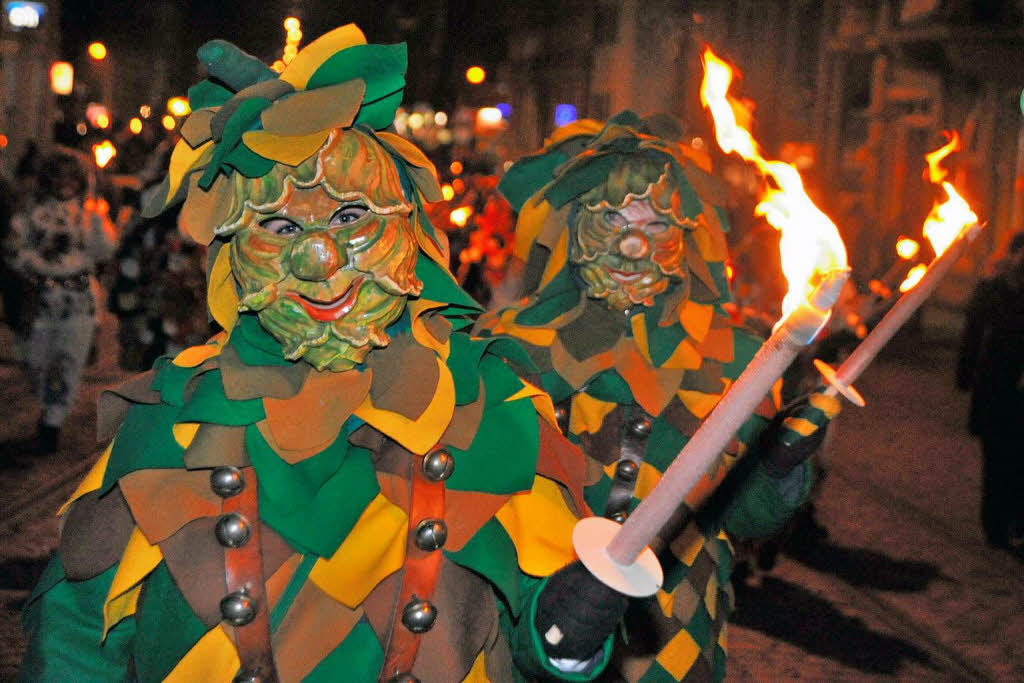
[950,227]
[814,262]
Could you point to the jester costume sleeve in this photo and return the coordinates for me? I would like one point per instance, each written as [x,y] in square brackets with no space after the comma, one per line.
[634,347]
[342,485]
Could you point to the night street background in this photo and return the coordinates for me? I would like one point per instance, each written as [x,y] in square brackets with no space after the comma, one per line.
[903,588]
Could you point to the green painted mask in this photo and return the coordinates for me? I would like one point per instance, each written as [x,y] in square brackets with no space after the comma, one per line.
[325,253]
[629,249]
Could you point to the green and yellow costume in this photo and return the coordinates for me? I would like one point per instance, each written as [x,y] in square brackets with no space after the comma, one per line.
[643,375]
[136,590]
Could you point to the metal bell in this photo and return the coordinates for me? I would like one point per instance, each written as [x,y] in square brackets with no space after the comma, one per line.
[619,517]
[403,678]
[419,615]
[238,609]
[247,677]
[561,415]
[233,530]
[430,534]
[640,427]
[438,464]
[626,470]
[227,481]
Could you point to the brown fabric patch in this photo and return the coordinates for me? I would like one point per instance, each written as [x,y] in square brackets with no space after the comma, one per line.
[596,329]
[367,437]
[164,500]
[438,326]
[680,418]
[675,299]
[466,512]
[196,561]
[466,616]
[402,365]
[711,189]
[311,420]
[314,625]
[465,422]
[204,210]
[707,379]
[113,404]
[395,488]
[653,388]
[279,579]
[685,601]
[274,550]
[381,604]
[717,344]
[95,532]
[390,457]
[243,382]
[217,445]
[577,373]
[603,447]
[560,460]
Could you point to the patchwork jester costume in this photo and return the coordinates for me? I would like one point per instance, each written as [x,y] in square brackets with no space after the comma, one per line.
[343,485]
[622,235]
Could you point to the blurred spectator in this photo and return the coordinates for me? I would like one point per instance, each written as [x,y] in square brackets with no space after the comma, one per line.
[991,366]
[57,244]
[158,294]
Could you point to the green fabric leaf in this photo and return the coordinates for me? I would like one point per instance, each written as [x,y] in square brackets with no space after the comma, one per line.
[52,575]
[559,296]
[689,201]
[723,218]
[254,344]
[144,441]
[463,366]
[358,658]
[336,485]
[492,554]
[209,404]
[382,68]
[380,114]
[247,162]
[206,93]
[166,627]
[244,118]
[500,381]
[64,625]
[664,444]
[580,179]
[717,270]
[744,345]
[596,494]
[528,175]
[171,381]
[232,65]
[284,603]
[556,387]
[609,386]
[439,285]
[503,455]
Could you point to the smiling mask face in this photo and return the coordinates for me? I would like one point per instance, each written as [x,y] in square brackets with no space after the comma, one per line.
[628,248]
[329,262]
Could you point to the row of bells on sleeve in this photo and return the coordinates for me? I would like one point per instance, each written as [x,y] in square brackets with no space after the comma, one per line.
[626,469]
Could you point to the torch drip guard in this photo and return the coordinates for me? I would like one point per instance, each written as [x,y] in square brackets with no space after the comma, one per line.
[641,579]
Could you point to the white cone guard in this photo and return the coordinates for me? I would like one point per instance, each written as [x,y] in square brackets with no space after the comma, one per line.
[591,537]
[832,378]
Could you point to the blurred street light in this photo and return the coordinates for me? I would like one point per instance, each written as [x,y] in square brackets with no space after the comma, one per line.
[460,215]
[145,111]
[97,51]
[97,115]
[447,192]
[168,122]
[62,78]
[440,119]
[178,106]
[292,24]
[476,75]
[102,121]
[456,167]
[488,117]
[103,152]
[135,125]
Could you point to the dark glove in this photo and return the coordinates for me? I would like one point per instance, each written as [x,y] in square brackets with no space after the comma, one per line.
[576,613]
[798,431]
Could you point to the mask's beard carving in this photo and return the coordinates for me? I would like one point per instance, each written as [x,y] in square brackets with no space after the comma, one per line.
[328,284]
[630,264]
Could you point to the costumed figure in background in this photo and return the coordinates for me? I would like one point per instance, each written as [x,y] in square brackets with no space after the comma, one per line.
[342,485]
[623,245]
[56,246]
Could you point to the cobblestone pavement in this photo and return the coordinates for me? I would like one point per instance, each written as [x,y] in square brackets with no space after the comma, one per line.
[903,588]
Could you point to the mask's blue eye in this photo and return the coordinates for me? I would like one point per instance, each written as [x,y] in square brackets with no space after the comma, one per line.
[348,214]
[615,219]
[281,226]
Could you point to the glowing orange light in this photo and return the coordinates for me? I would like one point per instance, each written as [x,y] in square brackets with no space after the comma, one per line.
[475,75]
[460,215]
[810,246]
[145,111]
[458,186]
[102,121]
[3,141]
[488,116]
[907,248]
[62,78]
[168,122]
[730,272]
[178,106]
[948,219]
[135,125]
[448,192]
[913,277]
[456,167]
[97,51]
[278,66]
[103,152]
[292,24]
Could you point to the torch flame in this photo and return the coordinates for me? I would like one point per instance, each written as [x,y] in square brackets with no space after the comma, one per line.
[810,246]
[907,248]
[913,277]
[948,219]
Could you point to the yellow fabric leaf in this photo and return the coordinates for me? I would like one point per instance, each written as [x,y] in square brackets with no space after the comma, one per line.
[538,336]
[183,158]
[423,172]
[665,601]
[420,332]
[697,402]
[685,357]
[588,413]
[801,426]
[723,637]
[638,323]
[421,434]
[711,245]
[540,525]
[372,550]
[478,674]
[531,219]
[686,546]
[830,405]
[213,659]
[138,560]
[541,401]
[184,432]
[571,130]
[559,257]
[311,57]
[291,150]
[193,356]
[711,596]
[696,319]
[92,480]
[120,607]
[679,655]
[221,295]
